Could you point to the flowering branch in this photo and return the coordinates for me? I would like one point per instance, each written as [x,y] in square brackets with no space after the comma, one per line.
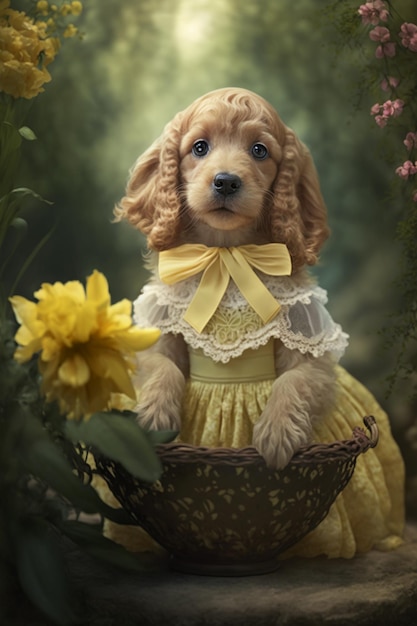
[29,44]
[395,66]
[395,49]
[388,45]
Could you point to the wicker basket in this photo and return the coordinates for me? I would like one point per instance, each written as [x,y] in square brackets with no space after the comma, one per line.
[221,511]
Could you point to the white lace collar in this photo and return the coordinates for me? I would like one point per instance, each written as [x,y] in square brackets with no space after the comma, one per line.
[303,322]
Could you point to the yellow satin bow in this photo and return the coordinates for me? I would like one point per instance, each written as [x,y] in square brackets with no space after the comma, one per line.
[218,266]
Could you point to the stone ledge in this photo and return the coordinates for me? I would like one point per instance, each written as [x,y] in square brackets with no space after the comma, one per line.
[373,589]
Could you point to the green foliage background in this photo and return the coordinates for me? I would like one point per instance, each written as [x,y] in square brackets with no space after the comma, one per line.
[140,61]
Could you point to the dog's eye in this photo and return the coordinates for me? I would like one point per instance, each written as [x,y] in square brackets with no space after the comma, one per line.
[200,148]
[259,151]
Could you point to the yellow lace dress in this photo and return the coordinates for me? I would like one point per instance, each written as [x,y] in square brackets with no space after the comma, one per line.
[231,375]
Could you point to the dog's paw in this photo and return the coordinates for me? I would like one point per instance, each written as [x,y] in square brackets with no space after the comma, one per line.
[277,437]
[160,398]
[153,414]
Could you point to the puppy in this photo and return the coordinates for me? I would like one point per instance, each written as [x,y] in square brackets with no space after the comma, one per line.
[230,202]
[227,173]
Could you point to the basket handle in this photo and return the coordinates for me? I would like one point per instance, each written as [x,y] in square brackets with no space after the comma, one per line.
[371,425]
[363,440]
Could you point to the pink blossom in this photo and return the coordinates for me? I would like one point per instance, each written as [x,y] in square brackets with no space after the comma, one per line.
[380,33]
[410,140]
[387,47]
[373,12]
[381,120]
[398,107]
[408,168]
[388,108]
[408,34]
[385,50]
[392,108]
[389,81]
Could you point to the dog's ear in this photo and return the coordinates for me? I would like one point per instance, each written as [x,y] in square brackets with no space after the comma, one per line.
[151,202]
[298,215]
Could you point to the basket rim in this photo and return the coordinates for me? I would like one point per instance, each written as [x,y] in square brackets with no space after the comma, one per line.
[347,449]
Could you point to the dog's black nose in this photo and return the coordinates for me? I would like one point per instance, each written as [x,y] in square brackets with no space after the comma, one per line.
[226,184]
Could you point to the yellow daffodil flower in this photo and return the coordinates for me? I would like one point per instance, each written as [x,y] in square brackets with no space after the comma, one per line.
[86,344]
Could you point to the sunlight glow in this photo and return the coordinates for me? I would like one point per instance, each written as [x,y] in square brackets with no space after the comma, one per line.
[194,26]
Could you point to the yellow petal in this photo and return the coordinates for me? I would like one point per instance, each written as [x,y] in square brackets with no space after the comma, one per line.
[98,289]
[74,371]
[73,290]
[25,311]
[32,329]
[99,391]
[50,348]
[85,323]
[24,353]
[50,383]
[123,307]
[47,290]
[60,319]
[112,327]
[24,336]
[109,364]
[121,402]
[119,374]
[18,305]
[136,339]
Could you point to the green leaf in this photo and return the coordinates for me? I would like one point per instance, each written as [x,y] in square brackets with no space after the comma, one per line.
[156,437]
[19,224]
[90,539]
[19,193]
[44,460]
[41,570]
[121,439]
[27,133]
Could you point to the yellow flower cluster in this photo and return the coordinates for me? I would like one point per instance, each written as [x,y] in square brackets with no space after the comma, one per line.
[68,8]
[44,8]
[25,52]
[27,46]
[86,345]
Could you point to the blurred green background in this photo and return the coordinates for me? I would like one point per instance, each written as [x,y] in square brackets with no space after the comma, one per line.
[141,61]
